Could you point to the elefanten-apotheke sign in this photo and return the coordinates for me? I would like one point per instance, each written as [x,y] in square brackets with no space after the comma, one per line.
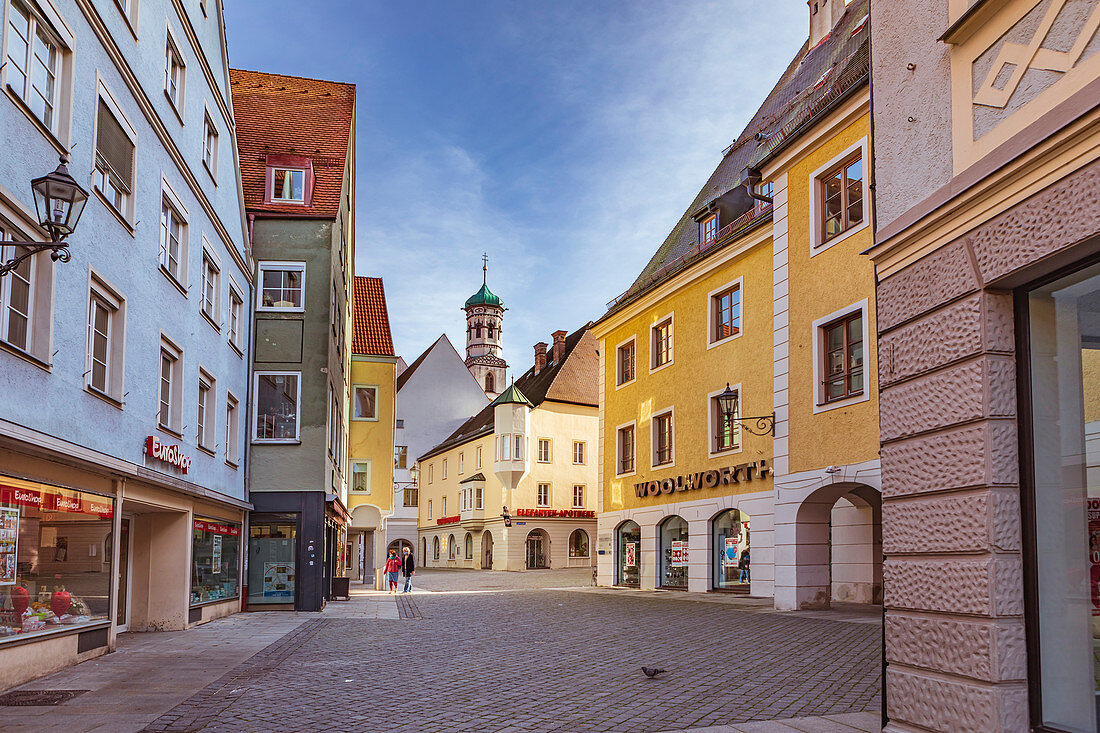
[705,479]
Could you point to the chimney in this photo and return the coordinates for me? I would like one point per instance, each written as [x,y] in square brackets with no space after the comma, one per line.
[824,14]
[540,356]
[559,345]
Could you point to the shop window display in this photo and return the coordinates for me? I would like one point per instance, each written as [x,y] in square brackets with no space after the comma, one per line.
[578,543]
[674,553]
[1062,334]
[272,567]
[55,558]
[215,559]
[630,555]
[731,546]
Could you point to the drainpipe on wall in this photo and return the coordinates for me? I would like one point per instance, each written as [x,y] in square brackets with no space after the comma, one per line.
[750,179]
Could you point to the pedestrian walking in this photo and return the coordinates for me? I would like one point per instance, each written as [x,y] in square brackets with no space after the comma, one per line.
[743,566]
[408,567]
[393,567]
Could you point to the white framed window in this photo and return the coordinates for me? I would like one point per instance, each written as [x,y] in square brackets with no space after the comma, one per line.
[236,318]
[232,430]
[578,452]
[840,370]
[170,387]
[625,449]
[365,402]
[479,502]
[275,416]
[333,423]
[725,434]
[282,286]
[463,500]
[660,343]
[839,193]
[578,496]
[461,463]
[431,472]
[288,185]
[211,287]
[401,456]
[517,452]
[205,427]
[360,479]
[106,339]
[479,456]
[506,447]
[436,539]
[210,146]
[724,313]
[34,58]
[444,468]
[542,497]
[173,242]
[544,450]
[625,362]
[175,73]
[443,505]
[114,159]
[662,430]
[17,291]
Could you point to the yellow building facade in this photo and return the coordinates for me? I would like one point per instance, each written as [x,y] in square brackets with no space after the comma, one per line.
[771,306]
[371,433]
[515,487]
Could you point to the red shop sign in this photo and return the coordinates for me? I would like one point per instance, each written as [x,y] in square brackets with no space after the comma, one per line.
[170,454]
[448,520]
[57,500]
[563,513]
[217,528]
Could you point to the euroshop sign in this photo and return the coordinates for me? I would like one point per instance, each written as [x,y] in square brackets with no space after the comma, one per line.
[754,470]
[170,454]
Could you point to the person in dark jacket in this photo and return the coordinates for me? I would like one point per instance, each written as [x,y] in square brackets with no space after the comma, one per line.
[408,567]
[743,566]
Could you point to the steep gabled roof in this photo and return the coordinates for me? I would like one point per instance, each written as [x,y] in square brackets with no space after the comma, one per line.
[571,379]
[441,342]
[371,334]
[292,116]
[815,81]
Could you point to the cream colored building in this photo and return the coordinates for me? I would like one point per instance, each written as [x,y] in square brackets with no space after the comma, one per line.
[529,455]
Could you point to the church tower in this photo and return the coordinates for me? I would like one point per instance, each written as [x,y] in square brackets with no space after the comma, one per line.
[484,318]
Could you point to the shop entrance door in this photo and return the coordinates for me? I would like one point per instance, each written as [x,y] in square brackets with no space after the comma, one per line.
[122,577]
[536,557]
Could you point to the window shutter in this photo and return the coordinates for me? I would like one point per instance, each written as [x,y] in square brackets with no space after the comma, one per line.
[113,147]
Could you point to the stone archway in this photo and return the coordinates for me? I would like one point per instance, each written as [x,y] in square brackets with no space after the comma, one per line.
[828,546]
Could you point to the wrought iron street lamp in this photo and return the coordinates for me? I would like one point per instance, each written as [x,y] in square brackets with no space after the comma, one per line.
[59,200]
[728,403]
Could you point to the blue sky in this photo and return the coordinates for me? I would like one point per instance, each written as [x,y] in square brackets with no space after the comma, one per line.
[563,138]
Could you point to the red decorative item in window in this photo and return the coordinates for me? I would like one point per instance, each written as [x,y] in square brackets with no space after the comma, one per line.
[60,602]
[20,599]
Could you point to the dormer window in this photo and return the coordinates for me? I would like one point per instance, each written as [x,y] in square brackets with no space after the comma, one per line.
[288,185]
[709,229]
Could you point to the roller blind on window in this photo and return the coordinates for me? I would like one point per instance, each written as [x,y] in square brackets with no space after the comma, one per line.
[113,146]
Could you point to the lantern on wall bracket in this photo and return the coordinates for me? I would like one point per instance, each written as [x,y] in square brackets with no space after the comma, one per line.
[760,425]
[59,201]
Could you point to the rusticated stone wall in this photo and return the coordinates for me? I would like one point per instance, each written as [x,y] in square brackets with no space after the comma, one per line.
[951,523]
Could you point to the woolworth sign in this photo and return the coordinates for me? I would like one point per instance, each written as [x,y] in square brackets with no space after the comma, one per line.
[705,479]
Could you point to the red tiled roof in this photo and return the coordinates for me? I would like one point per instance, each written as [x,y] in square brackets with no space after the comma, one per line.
[292,116]
[371,320]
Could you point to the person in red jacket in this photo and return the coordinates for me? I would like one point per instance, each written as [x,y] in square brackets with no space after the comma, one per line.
[393,567]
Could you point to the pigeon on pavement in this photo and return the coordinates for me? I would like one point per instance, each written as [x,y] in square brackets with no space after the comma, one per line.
[651,672]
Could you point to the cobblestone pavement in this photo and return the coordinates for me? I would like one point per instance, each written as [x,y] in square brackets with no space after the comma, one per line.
[439,579]
[541,660]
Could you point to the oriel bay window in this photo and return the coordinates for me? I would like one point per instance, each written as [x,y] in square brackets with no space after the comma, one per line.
[841,197]
[842,342]
[277,398]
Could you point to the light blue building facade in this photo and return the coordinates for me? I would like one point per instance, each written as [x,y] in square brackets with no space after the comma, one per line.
[124,373]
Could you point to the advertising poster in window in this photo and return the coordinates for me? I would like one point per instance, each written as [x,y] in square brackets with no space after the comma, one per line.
[216,554]
[9,539]
[1094,554]
[679,554]
[729,552]
[278,580]
[631,553]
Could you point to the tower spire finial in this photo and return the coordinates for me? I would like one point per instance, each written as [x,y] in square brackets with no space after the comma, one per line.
[484,267]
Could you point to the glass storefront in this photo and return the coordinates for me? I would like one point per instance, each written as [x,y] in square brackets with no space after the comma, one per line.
[578,543]
[272,551]
[1063,330]
[55,558]
[674,553]
[730,533]
[629,559]
[215,555]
